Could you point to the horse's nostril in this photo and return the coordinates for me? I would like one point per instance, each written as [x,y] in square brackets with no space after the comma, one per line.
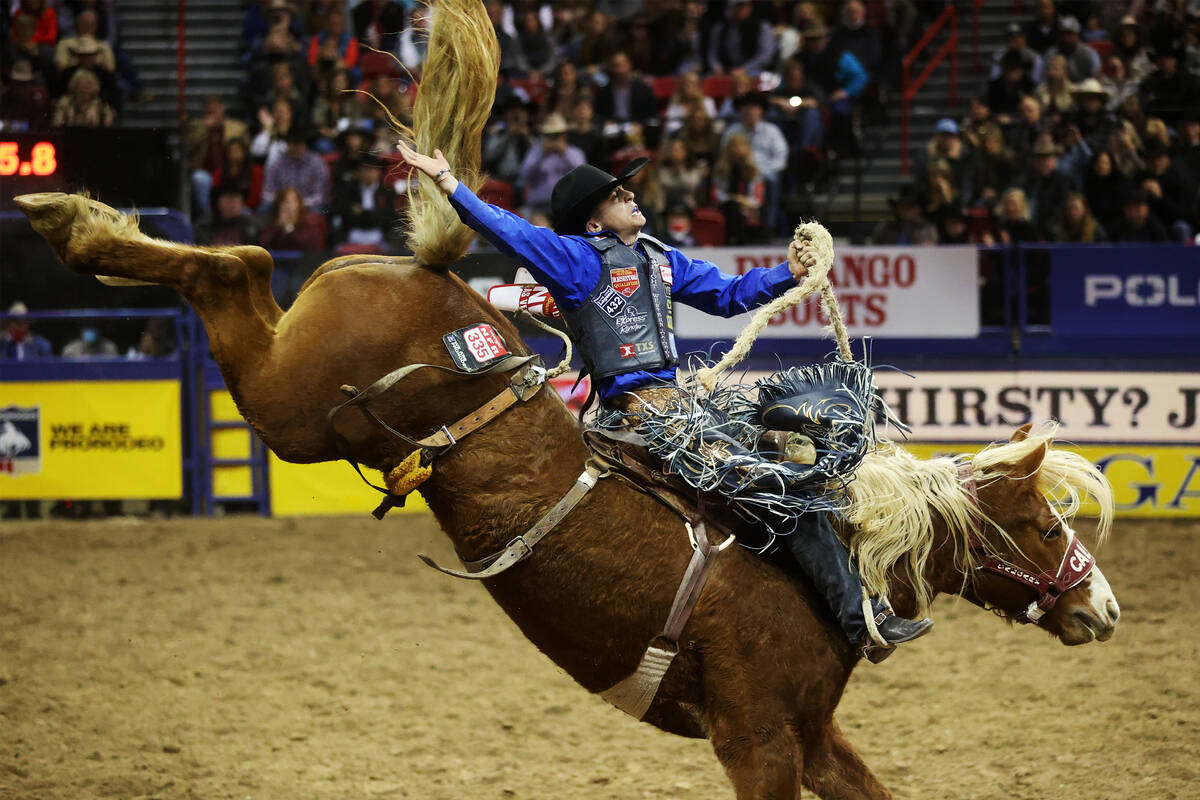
[1114,611]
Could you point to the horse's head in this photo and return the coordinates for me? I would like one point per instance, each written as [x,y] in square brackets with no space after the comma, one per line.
[1028,564]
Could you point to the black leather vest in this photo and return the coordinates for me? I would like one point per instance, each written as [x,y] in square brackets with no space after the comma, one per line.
[625,324]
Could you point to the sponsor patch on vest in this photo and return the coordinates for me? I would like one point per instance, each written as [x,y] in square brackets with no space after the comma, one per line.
[20,440]
[635,349]
[475,347]
[665,271]
[610,302]
[625,280]
[631,320]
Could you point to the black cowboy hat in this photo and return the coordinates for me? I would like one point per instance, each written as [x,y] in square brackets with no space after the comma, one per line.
[577,194]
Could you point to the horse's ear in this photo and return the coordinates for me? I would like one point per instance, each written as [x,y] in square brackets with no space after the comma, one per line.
[1022,433]
[1028,466]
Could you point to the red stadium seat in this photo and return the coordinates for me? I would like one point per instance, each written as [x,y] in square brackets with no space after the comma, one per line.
[708,227]
[1103,49]
[663,87]
[717,87]
[498,193]
[351,249]
[374,64]
[536,89]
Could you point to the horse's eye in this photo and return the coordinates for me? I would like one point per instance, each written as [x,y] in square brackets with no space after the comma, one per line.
[1053,533]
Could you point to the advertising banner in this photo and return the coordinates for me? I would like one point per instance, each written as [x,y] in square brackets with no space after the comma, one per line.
[1146,407]
[910,292]
[90,440]
[1125,291]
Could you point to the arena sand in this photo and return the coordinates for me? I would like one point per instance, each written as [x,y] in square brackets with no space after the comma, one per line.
[250,658]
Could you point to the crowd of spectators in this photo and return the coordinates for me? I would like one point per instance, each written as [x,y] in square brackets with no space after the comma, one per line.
[1088,131]
[62,65]
[741,105]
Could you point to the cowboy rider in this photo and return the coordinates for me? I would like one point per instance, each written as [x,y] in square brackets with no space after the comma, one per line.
[614,286]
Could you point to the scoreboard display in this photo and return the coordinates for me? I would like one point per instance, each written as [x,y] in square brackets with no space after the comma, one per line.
[120,166]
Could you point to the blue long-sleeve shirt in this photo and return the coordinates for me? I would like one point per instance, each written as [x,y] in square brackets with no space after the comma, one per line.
[570,268]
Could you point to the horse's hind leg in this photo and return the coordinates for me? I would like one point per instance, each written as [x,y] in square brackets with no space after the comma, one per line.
[834,771]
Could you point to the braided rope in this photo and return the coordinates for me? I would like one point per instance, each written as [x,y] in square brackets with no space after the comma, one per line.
[817,279]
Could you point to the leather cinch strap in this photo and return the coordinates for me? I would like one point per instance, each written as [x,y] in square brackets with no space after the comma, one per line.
[521,546]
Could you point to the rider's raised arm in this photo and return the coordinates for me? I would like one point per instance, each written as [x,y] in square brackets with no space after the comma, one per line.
[567,267]
[701,284]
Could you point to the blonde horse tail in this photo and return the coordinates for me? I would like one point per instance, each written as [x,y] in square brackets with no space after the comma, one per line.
[457,89]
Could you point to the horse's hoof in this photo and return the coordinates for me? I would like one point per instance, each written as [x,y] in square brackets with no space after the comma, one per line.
[39,202]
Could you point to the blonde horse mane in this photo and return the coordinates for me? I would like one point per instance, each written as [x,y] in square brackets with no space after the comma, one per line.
[454,100]
[895,496]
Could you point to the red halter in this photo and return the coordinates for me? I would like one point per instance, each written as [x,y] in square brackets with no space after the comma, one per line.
[1076,563]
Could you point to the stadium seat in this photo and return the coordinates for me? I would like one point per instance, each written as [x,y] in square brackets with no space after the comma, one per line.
[717,87]
[498,193]
[375,64]
[1102,48]
[663,87]
[351,249]
[708,227]
[535,89]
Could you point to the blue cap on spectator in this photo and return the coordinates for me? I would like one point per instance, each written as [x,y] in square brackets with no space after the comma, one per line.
[947,125]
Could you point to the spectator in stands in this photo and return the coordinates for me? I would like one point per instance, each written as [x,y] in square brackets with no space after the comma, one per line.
[906,219]
[1042,31]
[550,158]
[22,45]
[90,344]
[740,84]
[20,343]
[855,36]
[86,27]
[1169,190]
[566,90]
[281,41]
[86,53]
[378,23]
[364,209]
[651,200]
[157,340]
[393,96]
[683,40]
[626,97]
[1047,187]
[283,87]
[413,43]
[978,119]
[1014,42]
[239,171]
[1104,190]
[350,143]
[300,169]
[507,143]
[583,134]
[333,49]
[1082,61]
[738,190]
[45,16]
[82,105]
[1013,218]
[1005,92]
[1124,145]
[1077,224]
[741,41]
[271,141]
[767,144]
[838,73]
[1130,48]
[992,169]
[23,98]
[1137,224]
[595,45]
[231,223]
[512,59]
[1021,134]
[1056,92]
[796,107]
[334,110]
[678,230]
[700,135]
[535,42]
[688,92]
[680,180]
[1169,89]
[1189,144]
[204,143]
[1118,83]
[952,227]
[1092,117]
[291,226]
[947,151]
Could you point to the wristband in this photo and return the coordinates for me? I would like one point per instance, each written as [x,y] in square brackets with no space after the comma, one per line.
[438,177]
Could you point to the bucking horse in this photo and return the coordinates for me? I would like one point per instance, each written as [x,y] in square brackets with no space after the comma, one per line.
[761,664]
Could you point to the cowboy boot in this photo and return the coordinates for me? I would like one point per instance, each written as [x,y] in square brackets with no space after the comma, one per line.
[824,560]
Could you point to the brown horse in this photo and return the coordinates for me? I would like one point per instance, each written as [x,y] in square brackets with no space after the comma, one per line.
[762,665]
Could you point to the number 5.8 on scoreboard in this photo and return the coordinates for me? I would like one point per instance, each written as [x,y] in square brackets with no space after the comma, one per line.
[41,161]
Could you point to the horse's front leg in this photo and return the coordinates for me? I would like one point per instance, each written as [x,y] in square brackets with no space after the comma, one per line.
[834,771]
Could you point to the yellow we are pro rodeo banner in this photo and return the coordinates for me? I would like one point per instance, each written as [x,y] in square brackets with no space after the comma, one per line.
[90,440]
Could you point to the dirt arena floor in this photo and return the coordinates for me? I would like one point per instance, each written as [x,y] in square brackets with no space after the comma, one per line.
[250,658]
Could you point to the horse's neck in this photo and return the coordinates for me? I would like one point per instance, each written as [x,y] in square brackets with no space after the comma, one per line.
[941,574]
[498,481]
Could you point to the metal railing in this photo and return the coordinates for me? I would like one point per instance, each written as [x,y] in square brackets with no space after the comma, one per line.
[909,86]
